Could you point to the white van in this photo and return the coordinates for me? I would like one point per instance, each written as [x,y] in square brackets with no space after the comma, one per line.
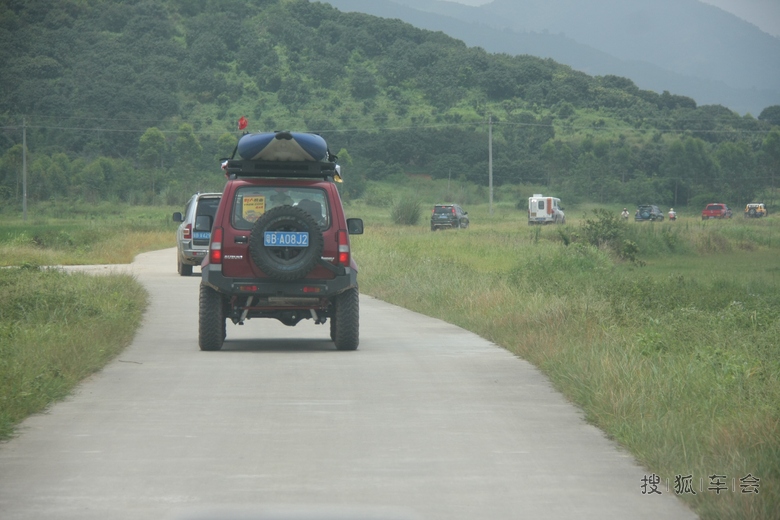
[545,210]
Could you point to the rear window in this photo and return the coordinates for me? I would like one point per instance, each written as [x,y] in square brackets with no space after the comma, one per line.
[443,209]
[714,207]
[252,202]
[207,207]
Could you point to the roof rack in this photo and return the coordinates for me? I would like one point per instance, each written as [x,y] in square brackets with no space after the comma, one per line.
[301,169]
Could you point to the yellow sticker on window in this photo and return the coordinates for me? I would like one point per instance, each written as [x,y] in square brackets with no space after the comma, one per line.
[253,207]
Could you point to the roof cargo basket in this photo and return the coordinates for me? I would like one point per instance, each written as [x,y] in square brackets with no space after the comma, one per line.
[286,169]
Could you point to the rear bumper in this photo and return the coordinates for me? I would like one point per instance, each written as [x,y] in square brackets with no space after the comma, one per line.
[304,289]
[192,255]
[444,224]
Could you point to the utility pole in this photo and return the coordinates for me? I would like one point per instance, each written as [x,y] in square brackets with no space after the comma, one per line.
[24,169]
[490,161]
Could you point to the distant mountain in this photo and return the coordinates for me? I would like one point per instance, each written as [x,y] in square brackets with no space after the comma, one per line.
[683,46]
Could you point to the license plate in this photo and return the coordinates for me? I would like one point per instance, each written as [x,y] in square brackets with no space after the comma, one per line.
[286,239]
[201,235]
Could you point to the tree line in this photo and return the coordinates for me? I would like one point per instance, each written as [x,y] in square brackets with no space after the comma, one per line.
[136,100]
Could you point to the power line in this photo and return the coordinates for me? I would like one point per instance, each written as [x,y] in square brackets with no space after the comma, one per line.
[589,128]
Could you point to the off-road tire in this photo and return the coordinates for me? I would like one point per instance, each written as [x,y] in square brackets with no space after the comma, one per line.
[345,328]
[286,263]
[211,319]
[752,212]
[184,269]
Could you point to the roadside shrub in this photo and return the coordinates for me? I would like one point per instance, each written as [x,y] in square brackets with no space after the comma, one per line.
[605,229]
[406,212]
[628,251]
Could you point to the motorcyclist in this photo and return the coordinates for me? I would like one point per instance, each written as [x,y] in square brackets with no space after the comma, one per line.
[624,214]
[672,214]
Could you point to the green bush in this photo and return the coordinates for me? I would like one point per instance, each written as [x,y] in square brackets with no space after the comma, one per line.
[406,212]
[605,229]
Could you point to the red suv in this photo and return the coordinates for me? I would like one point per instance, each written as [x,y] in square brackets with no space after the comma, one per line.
[716,210]
[280,249]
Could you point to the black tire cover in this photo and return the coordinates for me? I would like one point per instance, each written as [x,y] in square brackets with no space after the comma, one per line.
[286,263]
[645,214]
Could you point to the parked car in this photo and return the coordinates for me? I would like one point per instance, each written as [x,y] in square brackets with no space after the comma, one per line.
[280,249]
[755,210]
[545,210]
[449,216]
[194,232]
[716,210]
[648,213]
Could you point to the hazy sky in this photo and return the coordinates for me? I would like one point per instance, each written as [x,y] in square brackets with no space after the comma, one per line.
[763,13]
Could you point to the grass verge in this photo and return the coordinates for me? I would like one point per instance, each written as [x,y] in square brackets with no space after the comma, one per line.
[56,329]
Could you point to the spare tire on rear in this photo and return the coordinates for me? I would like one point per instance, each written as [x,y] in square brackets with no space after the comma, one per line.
[283,262]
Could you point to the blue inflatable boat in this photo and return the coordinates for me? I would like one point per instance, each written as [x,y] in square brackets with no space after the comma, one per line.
[282,146]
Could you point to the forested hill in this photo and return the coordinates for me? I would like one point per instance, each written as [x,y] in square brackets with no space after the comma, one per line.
[675,45]
[134,99]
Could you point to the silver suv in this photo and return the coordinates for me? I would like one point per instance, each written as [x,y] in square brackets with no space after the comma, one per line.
[194,232]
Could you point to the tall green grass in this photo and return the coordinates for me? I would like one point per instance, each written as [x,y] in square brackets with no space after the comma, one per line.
[677,360]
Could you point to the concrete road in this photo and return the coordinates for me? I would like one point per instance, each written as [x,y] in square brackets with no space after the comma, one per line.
[424,421]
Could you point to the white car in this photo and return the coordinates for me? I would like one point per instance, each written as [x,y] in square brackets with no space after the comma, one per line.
[545,210]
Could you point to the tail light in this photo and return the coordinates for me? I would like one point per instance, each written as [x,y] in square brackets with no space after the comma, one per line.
[343,241]
[453,210]
[187,231]
[215,249]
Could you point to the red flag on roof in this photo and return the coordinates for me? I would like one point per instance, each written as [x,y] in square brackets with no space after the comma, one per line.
[242,123]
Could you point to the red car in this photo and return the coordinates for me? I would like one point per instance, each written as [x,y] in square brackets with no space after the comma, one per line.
[716,210]
[280,249]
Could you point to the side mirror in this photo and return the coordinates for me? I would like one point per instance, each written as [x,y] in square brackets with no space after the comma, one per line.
[355,226]
[177,217]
